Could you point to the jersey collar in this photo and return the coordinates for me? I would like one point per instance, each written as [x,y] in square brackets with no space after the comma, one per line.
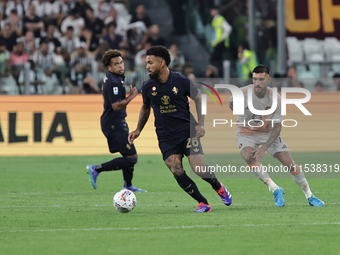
[169,81]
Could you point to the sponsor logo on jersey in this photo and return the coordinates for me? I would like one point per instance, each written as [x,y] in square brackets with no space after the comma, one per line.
[165,99]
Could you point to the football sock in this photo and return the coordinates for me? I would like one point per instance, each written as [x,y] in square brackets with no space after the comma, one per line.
[210,177]
[190,187]
[127,176]
[257,169]
[115,164]
[300,179]
[128,171]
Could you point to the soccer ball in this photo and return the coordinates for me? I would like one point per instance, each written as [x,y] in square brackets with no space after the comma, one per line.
[124,201]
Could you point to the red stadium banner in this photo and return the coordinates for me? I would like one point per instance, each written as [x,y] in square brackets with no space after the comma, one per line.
[313,18]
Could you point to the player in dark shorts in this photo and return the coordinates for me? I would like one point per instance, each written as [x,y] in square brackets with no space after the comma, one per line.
[167,93]
[113,123]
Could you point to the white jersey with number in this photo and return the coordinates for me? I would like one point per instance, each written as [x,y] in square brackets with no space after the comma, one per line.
[250,124]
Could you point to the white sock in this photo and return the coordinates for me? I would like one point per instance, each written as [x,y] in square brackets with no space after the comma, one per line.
[301,181]
[264,177]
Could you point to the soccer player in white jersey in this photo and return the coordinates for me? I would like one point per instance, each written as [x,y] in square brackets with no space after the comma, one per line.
[255,130]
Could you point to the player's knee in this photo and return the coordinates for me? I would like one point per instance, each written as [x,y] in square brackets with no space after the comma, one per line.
[132,160]
[249,158]
[177,169]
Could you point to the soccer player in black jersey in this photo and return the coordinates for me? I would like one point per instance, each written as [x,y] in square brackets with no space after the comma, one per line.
[113,122]
[167,93]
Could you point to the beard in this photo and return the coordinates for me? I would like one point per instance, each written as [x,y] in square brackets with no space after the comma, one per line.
[155,74]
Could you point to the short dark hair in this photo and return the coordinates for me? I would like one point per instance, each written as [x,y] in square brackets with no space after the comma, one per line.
[69,28]
[43,41]
[319,83]
[337,75]
[89,8]
[261,69]
[245,45]
[214,7]
[112,23]
[109,55]
[160,51]
[73,11]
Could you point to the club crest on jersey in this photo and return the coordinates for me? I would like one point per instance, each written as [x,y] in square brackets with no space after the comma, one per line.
[154,93]
[175,90]
[115,90]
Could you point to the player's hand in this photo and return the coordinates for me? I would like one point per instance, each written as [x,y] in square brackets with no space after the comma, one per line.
[133,135]
[133,91]
[200,131]
[259,153]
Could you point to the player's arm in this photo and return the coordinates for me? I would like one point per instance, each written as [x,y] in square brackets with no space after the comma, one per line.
[117,106]
[143,118]
[259,152]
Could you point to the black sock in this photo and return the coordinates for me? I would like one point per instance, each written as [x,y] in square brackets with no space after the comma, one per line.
[210,177]
[115,164]
[128,175]
[190,187]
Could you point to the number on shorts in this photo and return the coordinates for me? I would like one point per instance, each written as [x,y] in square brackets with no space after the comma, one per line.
[192,142]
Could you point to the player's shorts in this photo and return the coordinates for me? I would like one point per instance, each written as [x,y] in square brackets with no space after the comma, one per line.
[117,141]
[184,146]
[255,141]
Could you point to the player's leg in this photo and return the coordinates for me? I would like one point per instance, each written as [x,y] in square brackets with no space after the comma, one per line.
[118,142]
[127,171]
[197,164]
[174,163]
[246,146]
[112,165]
[298,176]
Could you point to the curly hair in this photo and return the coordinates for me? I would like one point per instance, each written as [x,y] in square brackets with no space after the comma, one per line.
[109,55]
[160,51]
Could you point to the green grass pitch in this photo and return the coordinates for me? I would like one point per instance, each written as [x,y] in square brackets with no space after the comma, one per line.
[48,206]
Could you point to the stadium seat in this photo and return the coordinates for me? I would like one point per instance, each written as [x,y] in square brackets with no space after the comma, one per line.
[295,52]
[332,48]
[313,49]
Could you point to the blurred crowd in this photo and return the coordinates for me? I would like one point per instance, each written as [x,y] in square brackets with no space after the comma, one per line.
[57,44]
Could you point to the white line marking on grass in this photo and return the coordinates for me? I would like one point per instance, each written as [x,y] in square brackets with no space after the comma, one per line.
[168,192]
[173,227]
[162,205]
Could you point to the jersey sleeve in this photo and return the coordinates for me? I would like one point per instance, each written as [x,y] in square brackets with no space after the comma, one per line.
[192,91]
[146,100]
[113,91]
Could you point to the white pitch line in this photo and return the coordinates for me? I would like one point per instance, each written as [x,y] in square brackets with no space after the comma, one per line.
[101,192]
[173,227]
[174,204]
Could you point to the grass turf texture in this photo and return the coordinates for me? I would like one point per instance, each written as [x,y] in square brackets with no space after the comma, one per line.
[48,206]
